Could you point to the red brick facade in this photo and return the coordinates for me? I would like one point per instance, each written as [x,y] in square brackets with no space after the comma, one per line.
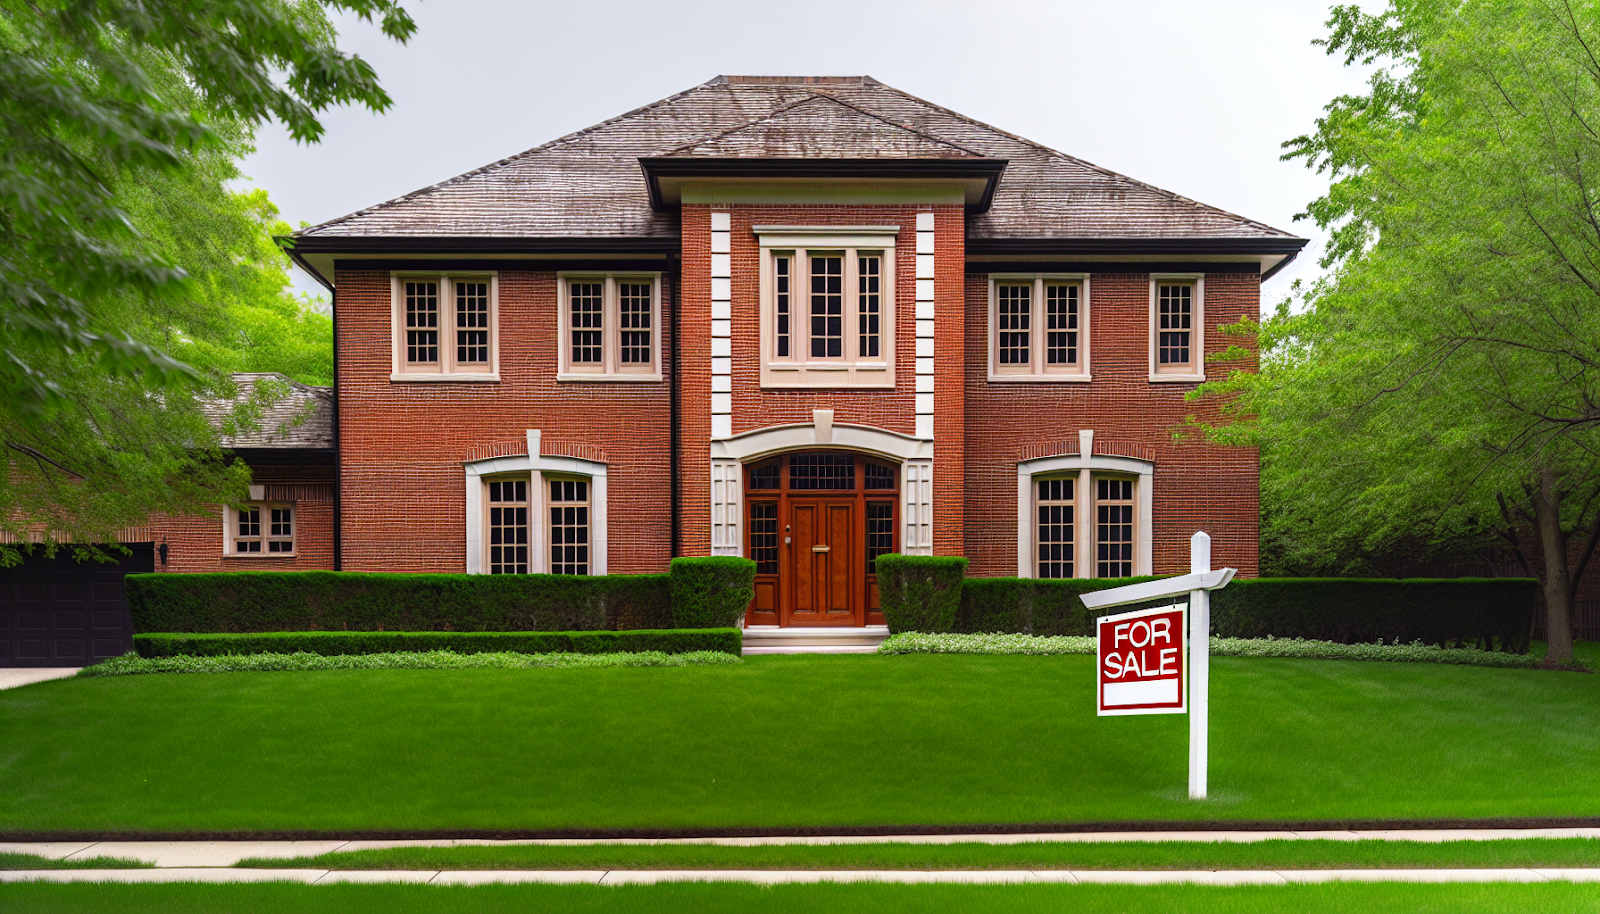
[197,542]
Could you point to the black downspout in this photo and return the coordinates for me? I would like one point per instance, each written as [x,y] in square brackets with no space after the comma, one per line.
[673,265]
[338,461]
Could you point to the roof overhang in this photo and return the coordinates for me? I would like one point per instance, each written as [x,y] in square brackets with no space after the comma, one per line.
[316,254]
[976,179]
[1273,254]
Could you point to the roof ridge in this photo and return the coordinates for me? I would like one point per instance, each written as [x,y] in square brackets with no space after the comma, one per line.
[1086,164]
[542,147]
[825,96]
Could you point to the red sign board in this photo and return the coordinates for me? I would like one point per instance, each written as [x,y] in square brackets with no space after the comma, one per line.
[1144,668]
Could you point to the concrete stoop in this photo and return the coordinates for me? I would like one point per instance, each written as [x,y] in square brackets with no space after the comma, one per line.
[770,639]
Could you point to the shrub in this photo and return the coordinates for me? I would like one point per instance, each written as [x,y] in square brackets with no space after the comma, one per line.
[131,665]
[332,644]
[1493,612]
[273,601]
[711,591]
[920,593]
[1033,606]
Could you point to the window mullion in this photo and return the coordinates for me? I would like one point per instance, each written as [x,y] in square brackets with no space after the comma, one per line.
[850,308]
[611,339]
[1040,336]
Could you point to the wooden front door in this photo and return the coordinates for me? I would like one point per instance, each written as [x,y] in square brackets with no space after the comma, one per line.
[814,524]
[825,582]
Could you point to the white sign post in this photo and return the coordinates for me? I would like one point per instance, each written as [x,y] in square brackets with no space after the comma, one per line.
[1198,584]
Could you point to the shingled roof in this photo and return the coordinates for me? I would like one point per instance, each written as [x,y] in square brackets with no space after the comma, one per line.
[589,184]
[302,419]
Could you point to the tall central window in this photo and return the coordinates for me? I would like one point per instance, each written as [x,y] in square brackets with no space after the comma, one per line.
[827,315]
[610,327]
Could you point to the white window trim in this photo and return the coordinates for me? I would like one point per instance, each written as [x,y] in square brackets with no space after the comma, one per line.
[1197,340]
[445,370]
[1087,468]
[230,527]
[534,467]
[1038,371]
[611,368]
[850,371]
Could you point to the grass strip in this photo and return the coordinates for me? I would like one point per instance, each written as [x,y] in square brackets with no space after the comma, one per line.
[36,862]
[1417,652]
[300,662]
[1048,855]
[858,898]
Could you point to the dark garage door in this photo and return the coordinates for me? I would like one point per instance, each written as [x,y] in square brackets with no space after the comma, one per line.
[58,612]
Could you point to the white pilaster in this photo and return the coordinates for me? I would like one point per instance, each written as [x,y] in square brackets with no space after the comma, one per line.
[924,337]
[721,336]
[727,509]
[917,509]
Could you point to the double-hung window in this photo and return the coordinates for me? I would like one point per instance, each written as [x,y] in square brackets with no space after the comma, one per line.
[827,306]
[526,535]
[260,529]
[1038,327]
[1177,327]
[610,327]
[444,327]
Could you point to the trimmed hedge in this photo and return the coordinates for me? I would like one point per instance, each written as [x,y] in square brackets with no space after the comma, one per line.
[284,601]
[920,593]
[711,591]
[1032,606]
[335,644]
[1493,612]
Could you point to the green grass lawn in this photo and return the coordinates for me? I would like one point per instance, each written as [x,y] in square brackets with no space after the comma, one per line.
[33,862]
[1120,855]
[725,898]
[786,741]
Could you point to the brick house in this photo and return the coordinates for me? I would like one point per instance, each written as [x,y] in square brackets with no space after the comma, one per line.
[805,320]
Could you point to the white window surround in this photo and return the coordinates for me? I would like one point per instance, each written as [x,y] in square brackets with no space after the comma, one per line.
[612,369]
[230,528]
[1197,352]
[534,465]
[445,370]
[799,370]
[1040,372]
[1086,468]
[913,455]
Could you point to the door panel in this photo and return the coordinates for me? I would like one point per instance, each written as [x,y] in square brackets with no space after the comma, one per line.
[821,556]
[840,558]
[804,557]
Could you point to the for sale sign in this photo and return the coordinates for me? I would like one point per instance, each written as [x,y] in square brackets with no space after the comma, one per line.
[1144,668]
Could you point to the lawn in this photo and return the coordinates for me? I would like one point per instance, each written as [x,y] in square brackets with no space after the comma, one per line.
[1533,853]
[724,898]
[785,742]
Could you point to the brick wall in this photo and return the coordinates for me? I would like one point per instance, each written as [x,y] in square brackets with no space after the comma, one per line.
[195,542]
[1197,486]
[403,443]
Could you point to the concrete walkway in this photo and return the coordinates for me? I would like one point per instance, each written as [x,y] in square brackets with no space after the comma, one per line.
[195,854]
[11,678]
[771,877]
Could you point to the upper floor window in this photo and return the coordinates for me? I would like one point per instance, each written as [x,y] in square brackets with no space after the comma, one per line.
[444,327]
[260,529]
[1038,328]
[1177,328]
[827,312]
[610,327]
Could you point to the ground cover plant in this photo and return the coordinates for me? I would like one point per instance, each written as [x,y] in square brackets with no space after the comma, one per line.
[1035,855]
[925,643]
[132,665]
[858,898]
[928,739]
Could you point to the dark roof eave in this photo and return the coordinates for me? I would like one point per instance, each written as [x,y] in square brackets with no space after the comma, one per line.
[988,170]
[283,456]
[1068,247]
[445,244]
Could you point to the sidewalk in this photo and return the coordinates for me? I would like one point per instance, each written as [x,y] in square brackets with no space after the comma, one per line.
[772,877]
[227,853]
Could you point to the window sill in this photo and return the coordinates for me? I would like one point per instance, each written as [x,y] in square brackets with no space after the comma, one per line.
[580,377]
[459,378]
[260,555]
[1158,378]
[1040,378]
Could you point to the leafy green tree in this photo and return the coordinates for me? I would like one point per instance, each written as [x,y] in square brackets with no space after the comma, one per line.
[1441,379]
[127,270]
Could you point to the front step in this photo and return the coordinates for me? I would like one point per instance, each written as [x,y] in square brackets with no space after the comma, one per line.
[770,639]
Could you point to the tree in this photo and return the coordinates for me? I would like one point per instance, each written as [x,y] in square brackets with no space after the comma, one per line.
[1441,379]
[125,263]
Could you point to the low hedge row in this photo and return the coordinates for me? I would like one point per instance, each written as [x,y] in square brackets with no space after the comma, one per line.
[335,644]
[711,591]
[1492,612]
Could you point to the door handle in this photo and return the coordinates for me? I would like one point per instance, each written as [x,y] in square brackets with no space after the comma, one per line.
[819,548]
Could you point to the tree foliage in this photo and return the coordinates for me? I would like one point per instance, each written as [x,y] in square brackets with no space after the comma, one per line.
[1440,382]
[129,273]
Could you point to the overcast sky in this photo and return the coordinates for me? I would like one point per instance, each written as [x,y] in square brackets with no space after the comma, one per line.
[1193,96]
